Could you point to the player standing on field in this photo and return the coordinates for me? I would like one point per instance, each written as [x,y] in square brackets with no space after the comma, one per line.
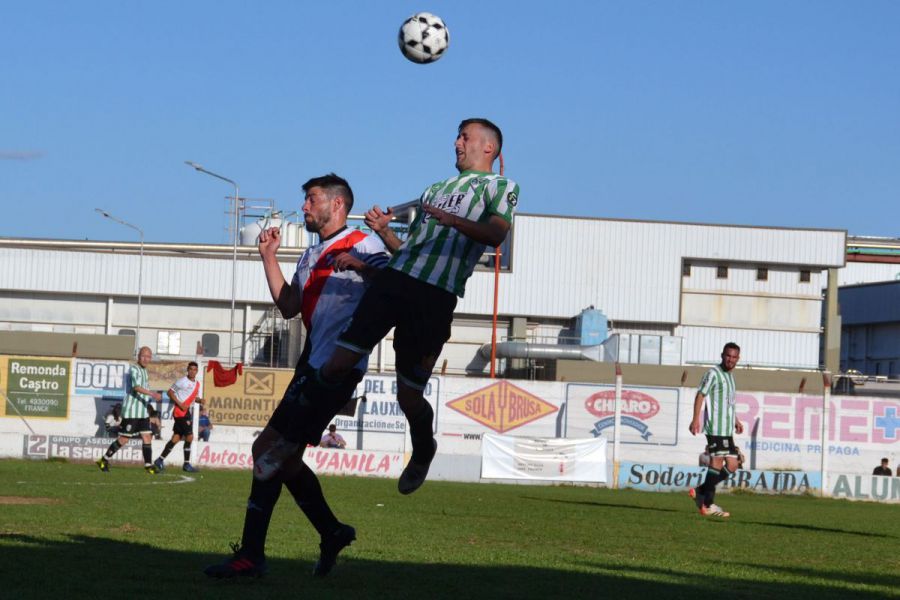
[330,279]
[135,412]
[417,293]
[183,394]
[715,399]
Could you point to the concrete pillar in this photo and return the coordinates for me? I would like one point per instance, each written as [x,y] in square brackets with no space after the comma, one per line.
[518,332]
[832,333]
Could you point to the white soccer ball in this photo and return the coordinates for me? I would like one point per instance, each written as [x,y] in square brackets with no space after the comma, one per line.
[423,38]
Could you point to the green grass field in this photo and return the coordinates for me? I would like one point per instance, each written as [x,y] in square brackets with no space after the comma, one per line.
[67,530]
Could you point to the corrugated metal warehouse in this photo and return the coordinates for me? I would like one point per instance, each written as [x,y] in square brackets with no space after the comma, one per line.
[690,287]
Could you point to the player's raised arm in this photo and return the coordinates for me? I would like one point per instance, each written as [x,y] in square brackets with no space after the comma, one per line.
[287,298]
[379,221]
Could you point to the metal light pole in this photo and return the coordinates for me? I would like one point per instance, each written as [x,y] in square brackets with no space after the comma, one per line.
[233,254]
[137,335]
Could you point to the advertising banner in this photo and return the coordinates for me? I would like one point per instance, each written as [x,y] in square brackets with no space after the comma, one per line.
[649,414]
[677,478]
[472,408]
[250,400]
[100,379]
[35,387]
[79,448]
[786,430]
[543,459]
[864,487]
[378,410]
[323,461]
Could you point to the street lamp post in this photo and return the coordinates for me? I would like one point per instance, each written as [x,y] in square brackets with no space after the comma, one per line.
[233,255]
[137,335]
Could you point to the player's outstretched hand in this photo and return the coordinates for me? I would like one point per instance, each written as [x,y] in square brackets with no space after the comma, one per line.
[738,426]
[269,241]
[347,262]
[378,220]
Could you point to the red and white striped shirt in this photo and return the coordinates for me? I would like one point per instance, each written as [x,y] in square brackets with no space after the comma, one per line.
[329,297]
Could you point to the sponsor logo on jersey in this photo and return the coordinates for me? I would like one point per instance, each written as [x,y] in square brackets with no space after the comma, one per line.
[512,198]
[502,406]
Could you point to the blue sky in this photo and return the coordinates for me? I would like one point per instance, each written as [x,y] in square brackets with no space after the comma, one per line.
[761,113]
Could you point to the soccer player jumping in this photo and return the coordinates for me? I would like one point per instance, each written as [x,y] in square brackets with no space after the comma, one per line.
[715,399]
[416,294]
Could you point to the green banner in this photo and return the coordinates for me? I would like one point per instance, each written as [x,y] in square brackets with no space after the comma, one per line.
[37,388]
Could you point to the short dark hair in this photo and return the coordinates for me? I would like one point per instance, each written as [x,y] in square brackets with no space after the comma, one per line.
[488,125]
[333,186]
[731,346]
[885,459]
[193,364]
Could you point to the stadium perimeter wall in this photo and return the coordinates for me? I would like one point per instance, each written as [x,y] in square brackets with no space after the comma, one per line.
[55,406]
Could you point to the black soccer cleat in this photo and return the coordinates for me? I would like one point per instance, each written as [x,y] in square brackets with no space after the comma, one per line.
[239,565]
[413,476]
[103,464]
[331,546]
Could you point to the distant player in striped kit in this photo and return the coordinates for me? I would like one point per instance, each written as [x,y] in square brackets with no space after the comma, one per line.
[135,412]
[183,394]
[714,416]
[330,278]
[416,295]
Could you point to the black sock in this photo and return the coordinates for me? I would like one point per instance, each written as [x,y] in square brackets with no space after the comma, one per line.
[187,452]
[724,474]
[421,433]
[708,488]
[147,451]
[167,449]
[113,448]
[307,492]
[263,496]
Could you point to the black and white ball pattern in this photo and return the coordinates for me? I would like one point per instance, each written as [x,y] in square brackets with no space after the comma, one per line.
[423,38]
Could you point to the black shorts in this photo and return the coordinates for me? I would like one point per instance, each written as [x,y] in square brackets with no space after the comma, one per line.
[720,445]
[183,426]
[294,419]
[421,314]
[132,428]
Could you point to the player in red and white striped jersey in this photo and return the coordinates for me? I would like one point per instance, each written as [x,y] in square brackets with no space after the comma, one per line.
[330,278]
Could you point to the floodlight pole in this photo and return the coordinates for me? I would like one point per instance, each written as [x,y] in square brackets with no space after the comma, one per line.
[233,255]
[137,335]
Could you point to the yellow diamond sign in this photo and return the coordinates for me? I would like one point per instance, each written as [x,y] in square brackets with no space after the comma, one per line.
[502,406]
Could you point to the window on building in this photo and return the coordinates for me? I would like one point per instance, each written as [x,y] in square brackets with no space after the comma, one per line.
[168,342]
[721,272]
[762,274]
[685,269]
[127,332]
[210,343]
[804,276]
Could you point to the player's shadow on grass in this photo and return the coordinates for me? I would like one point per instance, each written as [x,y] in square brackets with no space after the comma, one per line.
[89,567]
[882,578]
[873,534]
[602,504]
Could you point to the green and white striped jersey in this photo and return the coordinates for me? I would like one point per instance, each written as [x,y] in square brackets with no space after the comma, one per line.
[442,256]
[717,387]
[134,406]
